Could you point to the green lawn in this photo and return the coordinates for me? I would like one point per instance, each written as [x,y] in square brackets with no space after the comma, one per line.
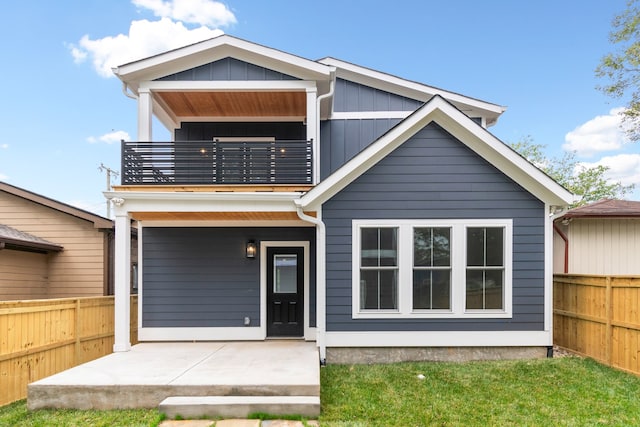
[550,392]
[17,414]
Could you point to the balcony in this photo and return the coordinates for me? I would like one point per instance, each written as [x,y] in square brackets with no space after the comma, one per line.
[215,162]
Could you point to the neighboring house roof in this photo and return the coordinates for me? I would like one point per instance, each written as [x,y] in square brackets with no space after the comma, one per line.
[461,127]
[606,208]
[97,220]
[11,238]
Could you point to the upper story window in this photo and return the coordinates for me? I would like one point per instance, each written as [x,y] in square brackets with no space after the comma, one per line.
[437,268]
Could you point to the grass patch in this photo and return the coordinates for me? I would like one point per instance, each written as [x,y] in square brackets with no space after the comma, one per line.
[266,416]
[17,414]
[559,392]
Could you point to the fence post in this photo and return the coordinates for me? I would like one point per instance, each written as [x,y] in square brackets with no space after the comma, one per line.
[609,320]
[77,345]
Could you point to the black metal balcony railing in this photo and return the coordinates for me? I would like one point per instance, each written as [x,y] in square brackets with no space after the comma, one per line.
[214,162]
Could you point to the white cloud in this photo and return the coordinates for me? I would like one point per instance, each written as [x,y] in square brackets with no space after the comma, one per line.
[623,168]
[202,12]
[3,177]
[599,134]
[147,38]
[110,138]
[4,146]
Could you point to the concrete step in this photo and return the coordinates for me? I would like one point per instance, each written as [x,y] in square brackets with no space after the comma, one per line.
[239,406]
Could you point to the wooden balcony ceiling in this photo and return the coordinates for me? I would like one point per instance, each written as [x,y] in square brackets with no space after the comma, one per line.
[235,104]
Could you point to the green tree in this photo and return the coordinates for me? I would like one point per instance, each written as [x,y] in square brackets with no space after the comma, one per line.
[587,182]
[621,68]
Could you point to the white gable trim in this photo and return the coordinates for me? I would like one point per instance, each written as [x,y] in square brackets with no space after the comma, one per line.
[464,129]
[217,48]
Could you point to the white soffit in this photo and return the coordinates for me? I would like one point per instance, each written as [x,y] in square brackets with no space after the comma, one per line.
[461,127]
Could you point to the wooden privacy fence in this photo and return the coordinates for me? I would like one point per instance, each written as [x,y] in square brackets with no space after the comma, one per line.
[597,316]
[39,338]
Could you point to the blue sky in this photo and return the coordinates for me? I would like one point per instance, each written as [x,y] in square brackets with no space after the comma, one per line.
[61,117]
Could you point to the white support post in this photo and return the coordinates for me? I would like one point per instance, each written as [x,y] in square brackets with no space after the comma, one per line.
[312,131]
[321,287]
[145,114]
[122,312]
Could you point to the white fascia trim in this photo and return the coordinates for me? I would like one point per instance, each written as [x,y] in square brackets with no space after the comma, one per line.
[204,202]
[201,334]
[204,195]
[218,48]
[464,129]
[361,115]
[400,86]
[228,86]
[439,339]
[503,157]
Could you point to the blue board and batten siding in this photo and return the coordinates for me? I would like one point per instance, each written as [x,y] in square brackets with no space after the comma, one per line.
[228,69]
[435,176]
[200,277]
[342,139]
[354,97]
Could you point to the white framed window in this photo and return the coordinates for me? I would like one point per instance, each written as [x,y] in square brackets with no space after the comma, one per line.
[432,268]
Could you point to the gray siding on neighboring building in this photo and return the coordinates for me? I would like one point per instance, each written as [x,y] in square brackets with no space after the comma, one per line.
[434,176]
[341,140]
[350,96]
[200,277]
[228,69]
[203,131]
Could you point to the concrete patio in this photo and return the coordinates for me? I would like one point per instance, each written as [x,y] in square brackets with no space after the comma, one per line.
[152,372]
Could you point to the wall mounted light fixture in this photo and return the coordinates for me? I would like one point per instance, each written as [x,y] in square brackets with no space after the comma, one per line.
[251,249]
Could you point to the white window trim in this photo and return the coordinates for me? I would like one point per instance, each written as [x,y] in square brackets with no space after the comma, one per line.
[458,269]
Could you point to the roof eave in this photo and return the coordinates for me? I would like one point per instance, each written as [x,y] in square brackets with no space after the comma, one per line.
[19,244]
[217,48]
[97,220]
[464,129]
[411,89]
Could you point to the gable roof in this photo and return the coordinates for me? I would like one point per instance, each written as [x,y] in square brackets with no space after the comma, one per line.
[16,239]
[606,208]
[97,220]
[217,48]
[461,127]
[323,71]
[414,90]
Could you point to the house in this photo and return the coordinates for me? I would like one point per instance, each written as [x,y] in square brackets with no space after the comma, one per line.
[325,201]
[601,238]
[49,249]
